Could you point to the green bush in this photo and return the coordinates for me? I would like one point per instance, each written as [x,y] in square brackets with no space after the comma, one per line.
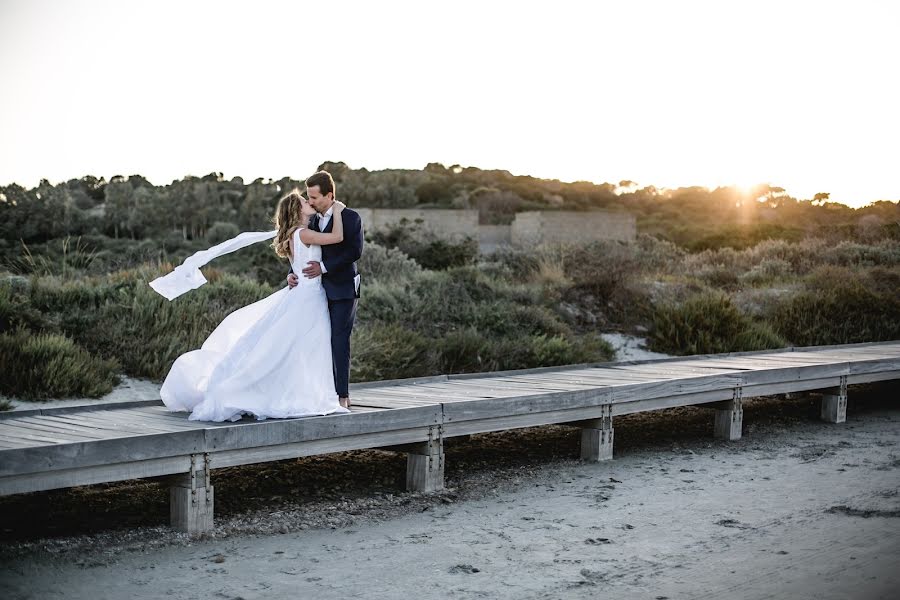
[708,323]
[470,351]
[42,366]
[386,264]
[390,351]
[767,271]
[841,306]
[423,246]
[15,305]
[600,268]
[120,316]
[221,231]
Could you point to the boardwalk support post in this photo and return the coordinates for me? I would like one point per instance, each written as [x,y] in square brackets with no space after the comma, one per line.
[425,463]
[597,437]
[834,403]
[191,498]
[729,417]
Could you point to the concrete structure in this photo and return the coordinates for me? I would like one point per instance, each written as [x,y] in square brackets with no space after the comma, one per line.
[555,227]
[491,237]
[528,228]
[445,223]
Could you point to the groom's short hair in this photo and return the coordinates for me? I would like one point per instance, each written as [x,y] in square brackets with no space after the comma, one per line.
[322,179]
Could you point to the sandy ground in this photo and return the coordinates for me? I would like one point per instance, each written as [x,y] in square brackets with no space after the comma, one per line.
[797,508]
[629,347]
[128,390]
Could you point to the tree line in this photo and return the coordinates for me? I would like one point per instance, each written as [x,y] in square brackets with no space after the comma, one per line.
[211,207]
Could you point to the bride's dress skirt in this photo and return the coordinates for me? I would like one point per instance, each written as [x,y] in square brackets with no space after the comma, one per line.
[271,358]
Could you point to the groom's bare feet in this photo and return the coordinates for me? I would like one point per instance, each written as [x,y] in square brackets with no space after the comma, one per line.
[345,402]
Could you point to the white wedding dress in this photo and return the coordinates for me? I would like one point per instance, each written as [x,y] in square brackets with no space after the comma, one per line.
[271,358]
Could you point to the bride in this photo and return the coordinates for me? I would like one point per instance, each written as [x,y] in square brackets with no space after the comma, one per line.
[271,358]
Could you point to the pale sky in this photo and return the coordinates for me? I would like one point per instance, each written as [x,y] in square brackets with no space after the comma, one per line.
[804,95]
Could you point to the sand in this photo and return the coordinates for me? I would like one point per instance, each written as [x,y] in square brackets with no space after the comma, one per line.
[797,508]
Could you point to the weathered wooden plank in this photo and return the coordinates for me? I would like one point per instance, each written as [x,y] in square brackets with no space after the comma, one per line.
[99,452]
[244,456]
[853,354]
[397,382]
[77,408]
[663,402]
[871,377]
[499,407]
[792,373]
[55,429]
[673,370]
[269,433]
[101,425]
[517,421]
[63,478]
[7,444]
[532,386]
[147,423]
[356,408]
[29,435]
[875,366]
[14,442]
[466,390]
[391,402]
[163,412]
[517,385]
[402,398]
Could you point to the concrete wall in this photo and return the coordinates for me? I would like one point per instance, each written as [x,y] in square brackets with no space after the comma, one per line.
[491,237]
[446,223]
[553,227]
[528,228]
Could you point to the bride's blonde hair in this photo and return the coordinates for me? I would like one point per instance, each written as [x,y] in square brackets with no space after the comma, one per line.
[288,217]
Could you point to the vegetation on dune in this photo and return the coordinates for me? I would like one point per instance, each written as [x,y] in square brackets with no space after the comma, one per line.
[711,271]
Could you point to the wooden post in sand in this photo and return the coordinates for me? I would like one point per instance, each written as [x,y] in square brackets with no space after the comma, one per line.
[191,498]
[834,403]
[425,463]
[729,417]
[597,437]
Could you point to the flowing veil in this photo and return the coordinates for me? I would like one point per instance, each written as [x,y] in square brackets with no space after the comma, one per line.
[187,275]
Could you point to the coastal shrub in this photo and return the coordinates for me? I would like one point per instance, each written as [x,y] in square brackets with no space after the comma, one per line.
[434,303]
[708,323]
[221,231]
[16,309]
[120,316]
[841,306]
[516,263]
[37,366]
[469,351]
[599,268]
[854,254]
[379,263]
[766,271]
[719,277]
[425,247]
[389,351]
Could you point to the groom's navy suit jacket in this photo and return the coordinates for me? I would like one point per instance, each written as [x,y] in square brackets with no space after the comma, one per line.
[340,259]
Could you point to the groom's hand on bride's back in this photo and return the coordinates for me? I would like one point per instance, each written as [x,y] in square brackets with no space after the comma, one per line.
[313,269]
[293,280]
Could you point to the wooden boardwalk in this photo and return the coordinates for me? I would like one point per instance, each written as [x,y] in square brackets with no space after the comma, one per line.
[45,449]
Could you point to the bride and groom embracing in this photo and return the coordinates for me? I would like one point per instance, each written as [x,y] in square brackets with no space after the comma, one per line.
[287,355]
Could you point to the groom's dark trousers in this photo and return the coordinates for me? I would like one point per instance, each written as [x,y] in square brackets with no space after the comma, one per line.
[339,261]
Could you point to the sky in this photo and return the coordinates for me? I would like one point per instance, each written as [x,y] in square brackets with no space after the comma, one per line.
[802,95]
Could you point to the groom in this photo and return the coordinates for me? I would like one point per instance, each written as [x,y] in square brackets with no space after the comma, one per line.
[339,275]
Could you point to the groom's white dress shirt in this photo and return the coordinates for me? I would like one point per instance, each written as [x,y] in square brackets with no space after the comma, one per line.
[323,222]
